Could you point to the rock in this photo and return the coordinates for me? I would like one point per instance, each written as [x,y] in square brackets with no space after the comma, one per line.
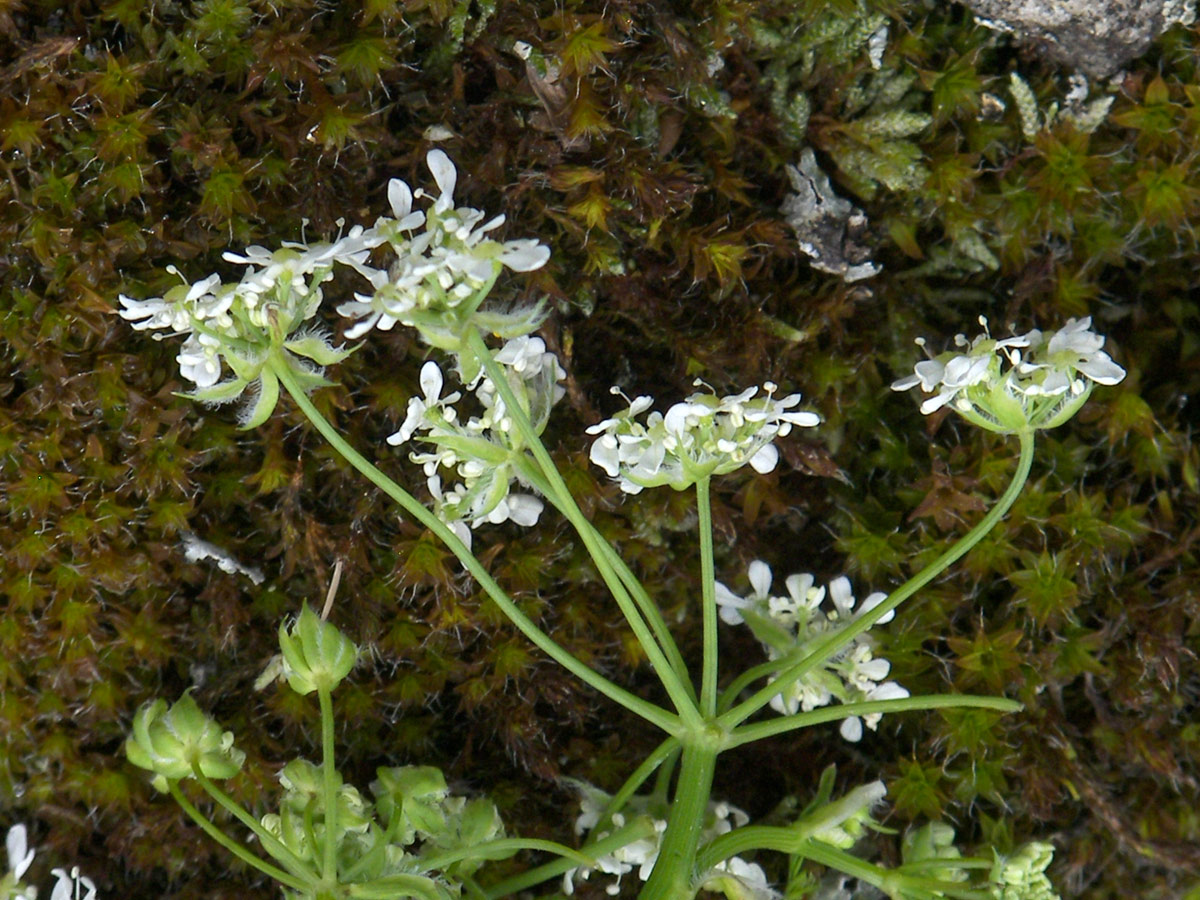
[830,229]
[1097,37]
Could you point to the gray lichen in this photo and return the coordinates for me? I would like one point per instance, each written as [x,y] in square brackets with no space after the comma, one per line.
[829,228]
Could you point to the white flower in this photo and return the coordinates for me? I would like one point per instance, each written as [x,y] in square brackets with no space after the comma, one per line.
[787,626]
[20,854]
[241,326]
[440,275]
[804,695]
[524,509]
[863,670]
[852,726]
[797,608]
[68,886]
[525,355]
[1033,380]
[730,603]
[1075,346]
[420,407]
[842,596]
[483,450]
[641,854]
[701,436]
[740,880]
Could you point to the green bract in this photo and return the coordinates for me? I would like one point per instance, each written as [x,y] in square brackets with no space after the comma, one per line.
[316,655]
[175,743]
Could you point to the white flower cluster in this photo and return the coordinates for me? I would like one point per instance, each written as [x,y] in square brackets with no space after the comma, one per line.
[1030,381]
[735,877]
[439,276]
[482,450]
[70,885]
[238,325]
[786,626]
[703,435]
[435,282]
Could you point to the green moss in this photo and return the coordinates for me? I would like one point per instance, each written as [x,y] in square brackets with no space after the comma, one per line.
[137,134]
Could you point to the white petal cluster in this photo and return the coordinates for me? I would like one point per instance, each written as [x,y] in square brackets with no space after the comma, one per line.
[787,625]
[734,876]
[234,326]
[703,435]
[443,265]
[70,886]
[1029,381]
[482,450]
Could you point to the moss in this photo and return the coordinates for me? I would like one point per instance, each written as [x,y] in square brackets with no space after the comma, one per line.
[648,151]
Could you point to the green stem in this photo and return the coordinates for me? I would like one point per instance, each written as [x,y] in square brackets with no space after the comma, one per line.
[332,832]
[888,880]
[708,600]
[499,849]
[957,862]
[824,648]
[648,608]
[748,734]
[747,678]
[238,850]
[652,713]
[618,800]
[393,886]
[675,870]
[679,692]
[634,831]
[270,843]
[783,839]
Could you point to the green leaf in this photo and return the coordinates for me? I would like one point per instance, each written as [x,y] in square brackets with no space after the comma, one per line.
[318,349]
[264,404]
[224,392]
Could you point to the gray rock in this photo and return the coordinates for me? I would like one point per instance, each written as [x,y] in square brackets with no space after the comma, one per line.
[1097,37]
[830,229]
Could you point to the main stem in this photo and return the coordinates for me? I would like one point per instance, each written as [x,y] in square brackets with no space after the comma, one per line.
[708,601]
[674,872]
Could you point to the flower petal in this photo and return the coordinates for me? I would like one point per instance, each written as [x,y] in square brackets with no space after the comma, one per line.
[445,175]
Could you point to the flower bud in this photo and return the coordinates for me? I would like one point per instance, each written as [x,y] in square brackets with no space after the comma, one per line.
[305,786]
[933,841]
[315,653]
[842,822]
[1022,876]
[173,742]
[416,794]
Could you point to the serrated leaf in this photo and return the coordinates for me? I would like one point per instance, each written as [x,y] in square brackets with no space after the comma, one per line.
[224,392]
[318,349]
